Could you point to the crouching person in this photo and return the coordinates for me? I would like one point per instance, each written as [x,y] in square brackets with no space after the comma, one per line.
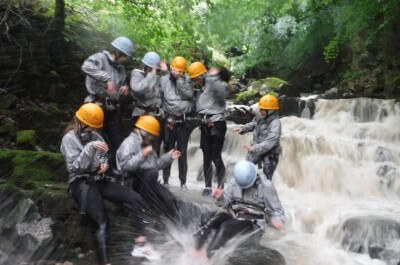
[251,204]
[85,152]
[139,164]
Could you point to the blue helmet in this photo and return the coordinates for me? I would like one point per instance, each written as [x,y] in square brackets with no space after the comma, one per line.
[245,174]
[151,59]
[124,45]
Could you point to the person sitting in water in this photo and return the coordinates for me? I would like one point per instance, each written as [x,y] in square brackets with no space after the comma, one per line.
[251,205]
[85,153]
[267,132]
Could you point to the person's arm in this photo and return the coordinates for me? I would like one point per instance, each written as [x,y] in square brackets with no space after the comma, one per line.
[78,161]
[270,141]
[249,127]
[130,156]
[164,161]
[139,82]
[272,203]
[93,65]
[184,86]
[227,196]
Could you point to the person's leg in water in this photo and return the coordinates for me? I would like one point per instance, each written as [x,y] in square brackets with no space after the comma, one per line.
[90,201]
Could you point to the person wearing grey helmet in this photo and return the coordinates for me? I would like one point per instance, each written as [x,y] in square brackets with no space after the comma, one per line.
[106,84]
[251,205]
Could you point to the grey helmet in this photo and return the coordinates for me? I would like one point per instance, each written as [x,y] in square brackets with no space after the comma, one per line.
[151,59]
[124,45]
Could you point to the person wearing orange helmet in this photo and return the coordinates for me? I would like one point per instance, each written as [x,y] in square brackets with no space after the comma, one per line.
[85,153]
[177,93]
[266,128]
[210,105]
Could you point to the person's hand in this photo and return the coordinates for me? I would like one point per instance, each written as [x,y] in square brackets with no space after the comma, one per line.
[277,223]
[101,146]
[103,168]
[217,193]
[213,71]
[249,148]
[110,89]
[147,150]
[163,66]
[238,130]
[124,90]
[175,154]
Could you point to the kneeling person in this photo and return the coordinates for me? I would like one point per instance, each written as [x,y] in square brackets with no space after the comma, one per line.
[251,204]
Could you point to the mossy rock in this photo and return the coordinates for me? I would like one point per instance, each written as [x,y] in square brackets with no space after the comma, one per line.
[26,139]
[245,96]
[268,85]
[21,166]
[8,128]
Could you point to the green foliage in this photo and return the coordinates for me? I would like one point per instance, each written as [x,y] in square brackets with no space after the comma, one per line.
[26,139]
[245,96]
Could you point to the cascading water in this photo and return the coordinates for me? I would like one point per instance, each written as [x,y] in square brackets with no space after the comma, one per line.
[341,165]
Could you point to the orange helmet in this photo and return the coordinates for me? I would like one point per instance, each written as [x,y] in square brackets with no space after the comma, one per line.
[179,63]
[149,124]
[91,114]
[268,102]
[196,69]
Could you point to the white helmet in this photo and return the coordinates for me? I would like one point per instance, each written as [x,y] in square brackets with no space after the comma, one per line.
[245,174]
[152,59]
[124,45]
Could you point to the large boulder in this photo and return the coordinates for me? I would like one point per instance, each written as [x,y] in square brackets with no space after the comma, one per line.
[373,235]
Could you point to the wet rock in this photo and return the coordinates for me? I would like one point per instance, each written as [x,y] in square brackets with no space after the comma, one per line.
[8,130]
[258,255]
[239,114]
[26,139]
[374,235]
[289,106]
[383,154]
[7,101]
[389,173]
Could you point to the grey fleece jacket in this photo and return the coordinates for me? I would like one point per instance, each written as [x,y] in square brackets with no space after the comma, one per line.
[177,99]
[145,90]
[81,161]
[100,68]
[130,159]
[262,194]
[266,134]
[211,99]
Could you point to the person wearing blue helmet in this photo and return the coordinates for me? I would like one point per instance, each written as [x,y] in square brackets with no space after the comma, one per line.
[106,84]
[251,204]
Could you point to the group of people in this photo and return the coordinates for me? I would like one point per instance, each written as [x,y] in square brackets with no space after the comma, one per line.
[126,171]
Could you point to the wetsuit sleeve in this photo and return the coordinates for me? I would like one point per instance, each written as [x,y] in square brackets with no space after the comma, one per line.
[130,157]
[249,127]
[164,161]
[78,161]
[184,87]
[227,197]
[272,203]
[270,141]
[139,82]
[93,67]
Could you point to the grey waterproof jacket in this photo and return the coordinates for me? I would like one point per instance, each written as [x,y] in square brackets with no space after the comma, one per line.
[129,156]
[266,134]
[81,160]
[177,99]
[100,68]
[211,99]
[262,195]
[145,90]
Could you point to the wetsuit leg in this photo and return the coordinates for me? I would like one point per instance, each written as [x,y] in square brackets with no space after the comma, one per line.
[169,143]
[182,132]
[205,144]
[269,166]
[218,138]
[113,128]
[129,199]
[209,221]
[96,212]
[227,230]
